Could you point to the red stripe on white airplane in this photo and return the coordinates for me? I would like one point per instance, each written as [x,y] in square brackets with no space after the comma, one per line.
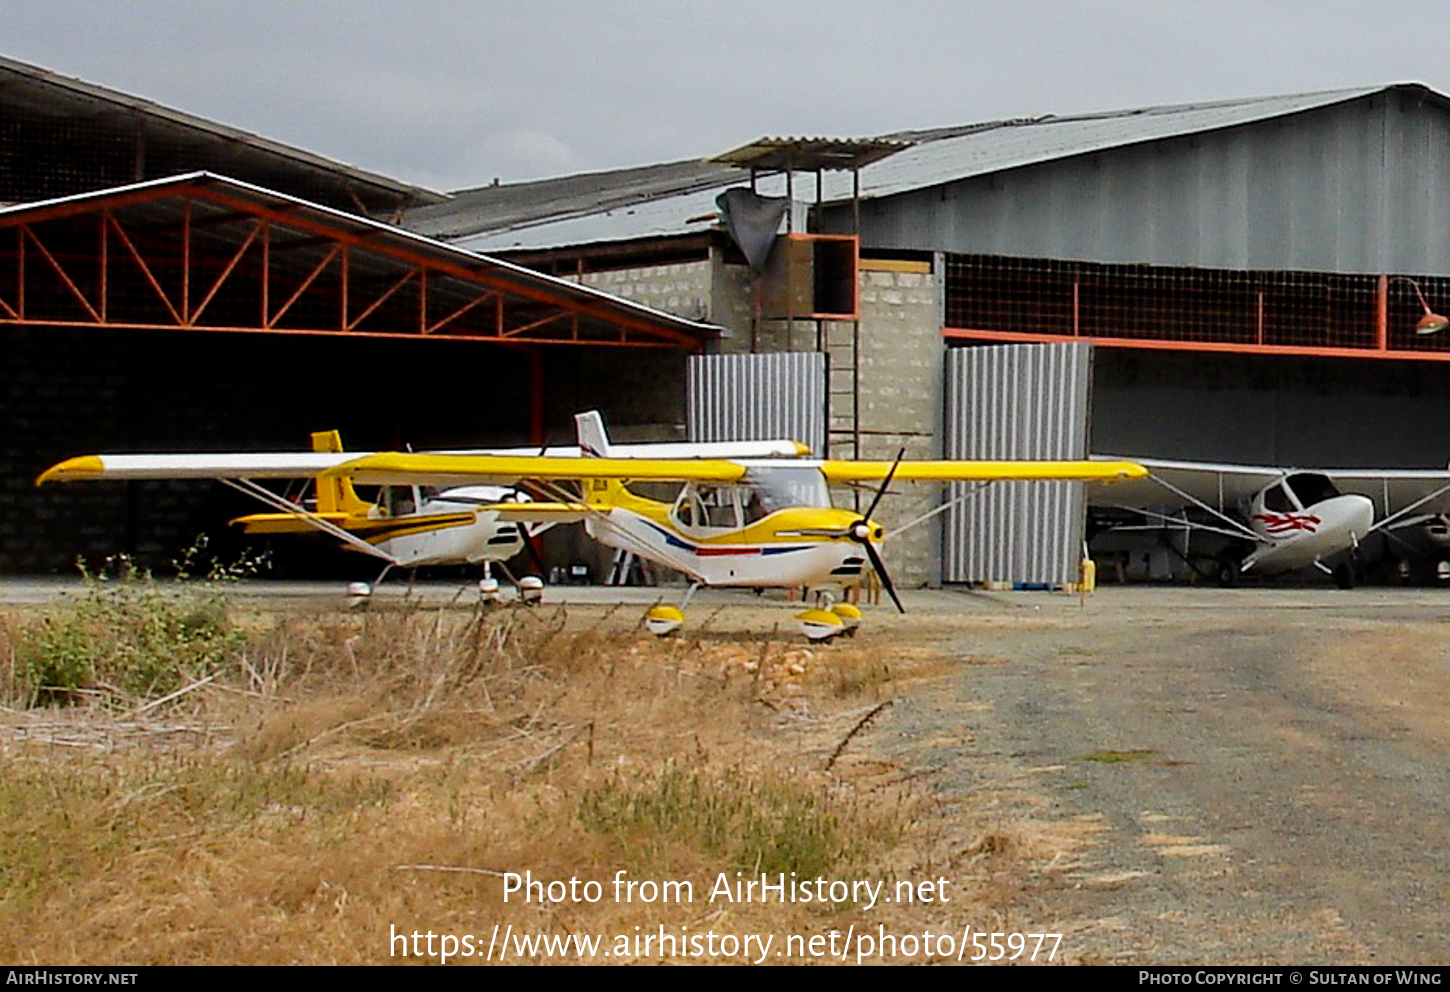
[1282,523]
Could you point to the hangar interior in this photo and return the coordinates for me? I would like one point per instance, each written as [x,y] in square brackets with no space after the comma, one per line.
[201,312]
[1247,276]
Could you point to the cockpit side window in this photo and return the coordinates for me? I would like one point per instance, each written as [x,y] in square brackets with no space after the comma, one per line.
[685,509]
[399,500]
[707,506]
[719,502]
[1277,499]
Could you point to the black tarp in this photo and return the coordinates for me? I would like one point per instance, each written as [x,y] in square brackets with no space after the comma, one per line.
[752,221]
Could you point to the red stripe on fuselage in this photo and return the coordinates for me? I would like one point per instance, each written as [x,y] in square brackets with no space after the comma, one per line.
[708,552]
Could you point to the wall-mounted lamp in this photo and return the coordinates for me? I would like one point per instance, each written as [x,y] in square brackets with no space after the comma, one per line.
[1431,322]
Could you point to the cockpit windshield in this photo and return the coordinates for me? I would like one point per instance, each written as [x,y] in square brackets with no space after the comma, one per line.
[762,492]
[780,487]
[1311,488]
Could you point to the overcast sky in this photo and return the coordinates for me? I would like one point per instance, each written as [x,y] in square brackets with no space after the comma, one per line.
[452,93]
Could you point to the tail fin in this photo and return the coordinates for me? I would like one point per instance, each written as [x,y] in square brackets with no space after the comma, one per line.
[593,441]
[335,495]
[604,493]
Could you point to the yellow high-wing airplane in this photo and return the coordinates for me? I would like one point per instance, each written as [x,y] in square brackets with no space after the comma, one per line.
[752,522]
[739,520]
[410,525]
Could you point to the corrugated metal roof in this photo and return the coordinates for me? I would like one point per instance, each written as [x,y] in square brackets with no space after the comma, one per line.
[44,92]
[501,208]
[636,203]
[659,217]
[377,235]
[1020,143]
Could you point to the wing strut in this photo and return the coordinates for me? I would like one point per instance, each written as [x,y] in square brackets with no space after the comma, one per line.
[1413,506]
[949,504]
[1239,529]
[1175,523]
[326,526]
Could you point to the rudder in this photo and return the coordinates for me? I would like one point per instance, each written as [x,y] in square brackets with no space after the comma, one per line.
[335,495]
[593,441]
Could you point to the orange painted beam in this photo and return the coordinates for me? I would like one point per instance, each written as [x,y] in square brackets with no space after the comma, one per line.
[624,327]
[1219,347]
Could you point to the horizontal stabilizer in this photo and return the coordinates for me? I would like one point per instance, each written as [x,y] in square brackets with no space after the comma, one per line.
[539,513]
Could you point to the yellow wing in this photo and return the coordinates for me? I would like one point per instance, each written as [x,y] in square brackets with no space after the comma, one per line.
[399,469]
[456,470]
[982,471]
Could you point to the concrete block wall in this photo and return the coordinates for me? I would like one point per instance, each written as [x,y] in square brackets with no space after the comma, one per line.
[681,288]
[900,367]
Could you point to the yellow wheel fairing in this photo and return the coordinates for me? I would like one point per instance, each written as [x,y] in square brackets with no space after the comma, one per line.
[820,625]
[662,620]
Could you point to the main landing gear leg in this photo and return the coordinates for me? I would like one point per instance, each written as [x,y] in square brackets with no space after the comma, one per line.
[487,585]
[360,594]
[530,587]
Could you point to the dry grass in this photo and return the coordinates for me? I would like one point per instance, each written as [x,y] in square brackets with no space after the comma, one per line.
[346,777]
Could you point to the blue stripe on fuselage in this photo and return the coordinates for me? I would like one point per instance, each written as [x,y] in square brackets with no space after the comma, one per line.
[675,542]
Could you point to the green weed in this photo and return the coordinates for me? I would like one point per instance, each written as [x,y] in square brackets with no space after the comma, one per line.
[128,638]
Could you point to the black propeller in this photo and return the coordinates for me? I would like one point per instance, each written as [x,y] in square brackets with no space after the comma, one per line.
[530,541]
[860,532]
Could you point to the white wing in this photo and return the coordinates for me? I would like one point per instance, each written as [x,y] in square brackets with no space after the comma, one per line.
[256,465]
[1223,486]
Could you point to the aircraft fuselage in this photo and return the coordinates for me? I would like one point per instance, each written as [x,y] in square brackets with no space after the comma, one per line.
[450,528]
[799,546]
[1297,536]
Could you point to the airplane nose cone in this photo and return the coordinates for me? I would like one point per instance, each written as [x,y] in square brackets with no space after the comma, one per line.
[1360,514]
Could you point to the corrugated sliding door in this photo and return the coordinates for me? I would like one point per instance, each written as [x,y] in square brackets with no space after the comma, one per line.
[1016,401]
[758,397]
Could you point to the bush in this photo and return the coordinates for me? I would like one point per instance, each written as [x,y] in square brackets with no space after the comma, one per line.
[127,638]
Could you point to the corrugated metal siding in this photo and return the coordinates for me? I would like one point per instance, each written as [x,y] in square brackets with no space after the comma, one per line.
[758,397]
[1353,187]
[1016,401]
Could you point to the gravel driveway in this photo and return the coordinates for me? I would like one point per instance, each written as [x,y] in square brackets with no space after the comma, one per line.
[1248,776]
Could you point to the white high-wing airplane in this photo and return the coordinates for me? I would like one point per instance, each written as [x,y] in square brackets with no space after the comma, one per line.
[409,526]
[1269,520]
